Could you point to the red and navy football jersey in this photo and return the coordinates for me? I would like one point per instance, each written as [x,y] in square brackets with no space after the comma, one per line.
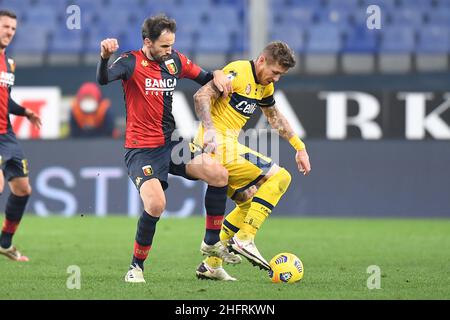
[7,105]
[148,89]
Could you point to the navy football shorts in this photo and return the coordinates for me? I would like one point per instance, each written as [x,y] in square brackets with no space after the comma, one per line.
[148,163]
[12,159]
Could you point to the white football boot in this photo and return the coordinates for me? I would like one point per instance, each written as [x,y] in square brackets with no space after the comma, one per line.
[219,250]
[135,275]
[204,271]
[247,248]
[13,254]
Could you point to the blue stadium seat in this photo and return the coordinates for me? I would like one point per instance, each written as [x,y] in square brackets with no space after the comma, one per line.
[443,3]
[439,17]
[338,18]
[42,15]
[405,16]
[194,3]
[295,38]
[344,4]
[191,20]
[169,8]
[433,39]
[88,6]
[30,40]
[66,41]
[224,15]
[94,36]
[294,17]
[419,5]
[314,4]
[397,39]
[385,5]
[119,4]
[19,8]
[185,41]
[58,6]
[214,41]
[113,18]
[323,39]
[361,40]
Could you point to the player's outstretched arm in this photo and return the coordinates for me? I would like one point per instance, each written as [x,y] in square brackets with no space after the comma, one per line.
[279,122]
[202,102]
[107,48]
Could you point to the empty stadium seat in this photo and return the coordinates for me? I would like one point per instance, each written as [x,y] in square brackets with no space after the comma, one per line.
[323,39]
[358,48]
[322,48]
[397,45]
[432,48]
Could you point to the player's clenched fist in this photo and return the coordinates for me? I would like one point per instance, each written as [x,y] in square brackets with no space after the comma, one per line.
[108,47]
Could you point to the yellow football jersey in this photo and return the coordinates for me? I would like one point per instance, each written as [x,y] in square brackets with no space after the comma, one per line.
[230,115]
[245,166]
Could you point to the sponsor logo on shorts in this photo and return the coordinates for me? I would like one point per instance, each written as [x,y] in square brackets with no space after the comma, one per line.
[148,170]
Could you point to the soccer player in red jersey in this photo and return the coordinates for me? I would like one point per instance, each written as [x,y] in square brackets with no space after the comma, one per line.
[14,165]
[149,77]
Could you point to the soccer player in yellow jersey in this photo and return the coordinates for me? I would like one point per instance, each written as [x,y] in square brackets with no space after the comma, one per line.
[221,121]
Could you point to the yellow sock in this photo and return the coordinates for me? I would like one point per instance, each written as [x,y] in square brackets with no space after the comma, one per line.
[263,202]
[213,262]
[234,220]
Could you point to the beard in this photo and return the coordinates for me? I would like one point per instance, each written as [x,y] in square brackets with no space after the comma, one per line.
[162,58]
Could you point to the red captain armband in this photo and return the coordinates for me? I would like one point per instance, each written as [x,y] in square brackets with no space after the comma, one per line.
[297,143]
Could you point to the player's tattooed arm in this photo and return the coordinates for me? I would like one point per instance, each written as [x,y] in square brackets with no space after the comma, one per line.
[279,122]
[202,102]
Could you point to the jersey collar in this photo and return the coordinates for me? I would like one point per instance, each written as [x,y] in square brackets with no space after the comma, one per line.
[254,71]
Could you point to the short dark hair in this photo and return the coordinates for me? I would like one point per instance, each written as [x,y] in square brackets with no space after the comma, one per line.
[280,52]
[154,26]
[7,13]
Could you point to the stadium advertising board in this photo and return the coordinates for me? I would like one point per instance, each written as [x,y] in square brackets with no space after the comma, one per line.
[394,178]
[45,102]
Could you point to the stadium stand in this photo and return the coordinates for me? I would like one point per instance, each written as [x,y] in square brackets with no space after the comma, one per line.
[327,35]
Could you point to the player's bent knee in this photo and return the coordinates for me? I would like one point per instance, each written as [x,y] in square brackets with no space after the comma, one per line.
[154,205]
[222,176]
[155,208]
[22,191]
[218,176]
[284,178]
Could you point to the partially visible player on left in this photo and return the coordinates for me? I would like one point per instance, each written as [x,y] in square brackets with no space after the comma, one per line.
[14,165]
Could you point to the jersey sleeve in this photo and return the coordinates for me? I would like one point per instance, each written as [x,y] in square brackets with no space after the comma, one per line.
[192,71]
[268,99]
[122,68]
[15,108]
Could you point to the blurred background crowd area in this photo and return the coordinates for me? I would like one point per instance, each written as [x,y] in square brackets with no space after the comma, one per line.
[329,36]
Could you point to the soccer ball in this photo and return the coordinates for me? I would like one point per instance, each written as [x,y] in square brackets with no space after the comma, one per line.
[286,267]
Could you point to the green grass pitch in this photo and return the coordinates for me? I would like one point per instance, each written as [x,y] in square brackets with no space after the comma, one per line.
[413,255]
